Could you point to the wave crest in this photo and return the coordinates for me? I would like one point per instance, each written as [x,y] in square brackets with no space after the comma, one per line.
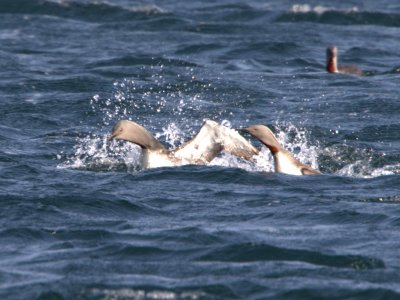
[331,15]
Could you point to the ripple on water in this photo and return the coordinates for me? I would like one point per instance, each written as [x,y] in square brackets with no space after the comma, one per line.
[251,253]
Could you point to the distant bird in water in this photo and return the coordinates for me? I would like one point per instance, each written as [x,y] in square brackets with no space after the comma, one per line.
[332,66]
[284,161]
[201,149]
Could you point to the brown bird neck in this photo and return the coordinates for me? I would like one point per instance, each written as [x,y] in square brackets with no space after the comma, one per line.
[331,64]
[273,149]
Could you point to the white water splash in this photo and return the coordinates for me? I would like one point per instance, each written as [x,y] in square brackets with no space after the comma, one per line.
[296,141]
[318,9]
[172,135]
[148,9]
[138,294]
[158,98]
[364,169]
[139,101]
[96,153]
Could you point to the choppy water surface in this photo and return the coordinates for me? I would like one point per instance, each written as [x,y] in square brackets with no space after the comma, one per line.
[80,218]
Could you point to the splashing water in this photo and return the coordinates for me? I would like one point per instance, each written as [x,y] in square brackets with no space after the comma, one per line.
[148,105]
[96,153]
[136,100]
[365,166]
[143,101]
[296,141]
[172,135]
[306,8]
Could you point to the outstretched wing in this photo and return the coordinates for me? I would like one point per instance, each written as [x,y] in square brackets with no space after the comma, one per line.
[236,144]
[211,140]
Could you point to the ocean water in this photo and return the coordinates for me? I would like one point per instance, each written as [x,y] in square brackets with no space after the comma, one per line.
[81,219]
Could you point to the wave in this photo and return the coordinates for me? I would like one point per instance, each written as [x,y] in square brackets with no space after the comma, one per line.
[329,15]
[143,293]
[346,159]
[141,60]
[252,253]
[81,10]
[345,293]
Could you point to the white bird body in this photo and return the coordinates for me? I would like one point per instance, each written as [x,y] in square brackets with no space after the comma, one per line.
[284,164]
[156,159]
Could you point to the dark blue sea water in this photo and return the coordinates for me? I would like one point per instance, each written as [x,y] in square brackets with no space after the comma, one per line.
[80,218]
